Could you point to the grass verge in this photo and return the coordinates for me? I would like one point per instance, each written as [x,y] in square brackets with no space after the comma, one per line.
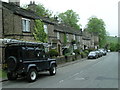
[3,74]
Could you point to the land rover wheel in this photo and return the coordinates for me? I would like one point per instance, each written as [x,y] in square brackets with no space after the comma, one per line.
[32,75]
[11,76]
[11,63]
[52,70]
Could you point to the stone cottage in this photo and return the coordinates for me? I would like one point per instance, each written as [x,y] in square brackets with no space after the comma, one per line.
[90,40]
[57,32]
[16,23]
[68,37]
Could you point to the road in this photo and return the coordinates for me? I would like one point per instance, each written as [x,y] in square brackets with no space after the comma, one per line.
[92,73]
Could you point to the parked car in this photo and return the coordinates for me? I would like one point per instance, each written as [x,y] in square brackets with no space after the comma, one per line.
[93,54]
[103,51]
[99,53]
[26,60]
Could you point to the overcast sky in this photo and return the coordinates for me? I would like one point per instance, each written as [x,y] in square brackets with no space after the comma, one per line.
[104,9]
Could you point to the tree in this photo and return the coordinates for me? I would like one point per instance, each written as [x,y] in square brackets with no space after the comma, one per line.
[39,33]
[70,18]
[114,46]
[39,9]
[97,26]
[42,11]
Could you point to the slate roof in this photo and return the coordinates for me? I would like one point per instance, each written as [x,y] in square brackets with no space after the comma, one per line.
[20,11]
[47,20]
[30,14]
[67,29]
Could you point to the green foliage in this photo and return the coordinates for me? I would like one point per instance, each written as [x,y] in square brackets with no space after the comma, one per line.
[111,39]
[97,26]
[113,43]
[3,74]
[39,33]
[86,51]
[73,42]
[91,49]
[42,11]
[53,52]
[83,54]
[67,51]
[39,9]
[114,46]
[76,51]
[65,39]
[70,18]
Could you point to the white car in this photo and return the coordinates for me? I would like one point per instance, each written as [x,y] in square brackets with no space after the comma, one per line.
[93,54]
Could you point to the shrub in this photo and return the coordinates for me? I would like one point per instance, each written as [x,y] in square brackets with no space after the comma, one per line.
[76,51]
[83,54]
[86,51]
[73,42]
[67,51]
[53,52]
[91,49]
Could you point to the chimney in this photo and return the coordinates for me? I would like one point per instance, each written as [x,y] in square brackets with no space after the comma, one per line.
[16,2]
[32,6]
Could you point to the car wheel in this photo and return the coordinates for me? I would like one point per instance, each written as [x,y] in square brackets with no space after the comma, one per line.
[32,75]
[11,76]
[11,63]
[95,57]
[52,70]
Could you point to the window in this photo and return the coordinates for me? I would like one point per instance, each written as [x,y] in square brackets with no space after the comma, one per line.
[58,35]
[73,37]
[45,29]
[30,54]
[67,36]
[79,38]
[26,25]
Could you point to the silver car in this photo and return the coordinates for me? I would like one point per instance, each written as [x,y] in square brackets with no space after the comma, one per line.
[93,54]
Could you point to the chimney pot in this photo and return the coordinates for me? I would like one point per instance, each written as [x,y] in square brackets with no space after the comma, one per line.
[33,2]
[30,2]
[16,2]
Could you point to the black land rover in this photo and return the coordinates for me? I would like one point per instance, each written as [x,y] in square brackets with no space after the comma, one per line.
[26,60]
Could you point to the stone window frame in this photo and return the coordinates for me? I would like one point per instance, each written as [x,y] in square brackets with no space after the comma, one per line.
[45,28]
[79,39]
[74,37]
[67,36]
[58,35]
[25,25]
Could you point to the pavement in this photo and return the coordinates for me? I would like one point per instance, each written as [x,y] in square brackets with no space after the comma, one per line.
[59,66]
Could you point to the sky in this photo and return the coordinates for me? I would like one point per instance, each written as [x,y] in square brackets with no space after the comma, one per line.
[102,9]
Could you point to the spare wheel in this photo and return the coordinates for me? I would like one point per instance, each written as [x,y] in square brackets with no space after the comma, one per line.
[11,63]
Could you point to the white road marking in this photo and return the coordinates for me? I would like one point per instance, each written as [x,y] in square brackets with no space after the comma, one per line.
[73,75]
[61,81]
[79,78]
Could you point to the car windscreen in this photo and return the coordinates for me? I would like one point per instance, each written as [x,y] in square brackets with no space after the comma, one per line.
[92,53]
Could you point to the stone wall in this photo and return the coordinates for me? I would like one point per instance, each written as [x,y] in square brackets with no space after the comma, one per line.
[13,28]
[50,30]
[8,21]
[1,26]
[63,59]
[1,31]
